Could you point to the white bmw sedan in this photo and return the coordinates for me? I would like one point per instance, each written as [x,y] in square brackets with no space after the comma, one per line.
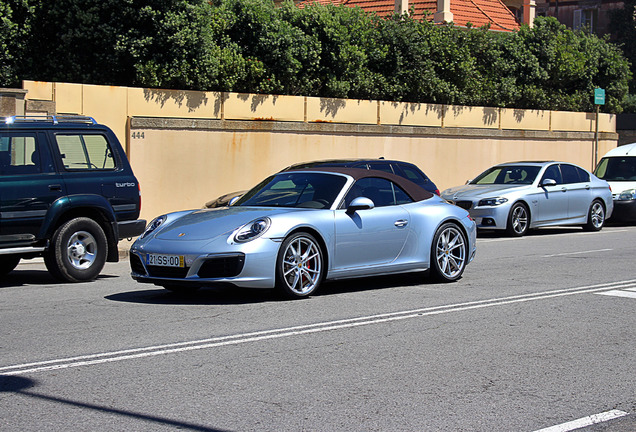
[518,196]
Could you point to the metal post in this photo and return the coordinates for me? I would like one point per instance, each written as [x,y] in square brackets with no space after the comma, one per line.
[596,139]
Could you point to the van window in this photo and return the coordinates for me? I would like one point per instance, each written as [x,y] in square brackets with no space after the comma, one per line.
[621,168]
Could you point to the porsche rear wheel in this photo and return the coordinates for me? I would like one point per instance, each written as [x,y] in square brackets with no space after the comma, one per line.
[299,267]
[449,253]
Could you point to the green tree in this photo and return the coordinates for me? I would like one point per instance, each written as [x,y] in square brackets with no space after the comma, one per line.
[16,17]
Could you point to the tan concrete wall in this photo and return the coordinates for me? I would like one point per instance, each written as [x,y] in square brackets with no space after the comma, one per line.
[199,145]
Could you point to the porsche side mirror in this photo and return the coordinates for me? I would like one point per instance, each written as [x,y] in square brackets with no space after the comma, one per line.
[360,203]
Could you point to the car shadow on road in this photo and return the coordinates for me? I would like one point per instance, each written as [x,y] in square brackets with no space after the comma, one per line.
[227,295]
[548,231]
[23,277]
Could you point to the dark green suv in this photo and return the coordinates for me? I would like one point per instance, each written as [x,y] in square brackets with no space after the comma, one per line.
[67,193]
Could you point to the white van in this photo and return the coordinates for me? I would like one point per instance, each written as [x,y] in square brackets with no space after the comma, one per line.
[618,168]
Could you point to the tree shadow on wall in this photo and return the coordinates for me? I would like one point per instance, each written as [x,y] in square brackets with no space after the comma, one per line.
[412,109]
[193,100]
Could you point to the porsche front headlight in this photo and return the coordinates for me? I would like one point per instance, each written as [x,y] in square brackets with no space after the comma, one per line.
[153,225]
[252,230]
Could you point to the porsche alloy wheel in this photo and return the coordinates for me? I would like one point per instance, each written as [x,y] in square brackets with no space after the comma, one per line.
[299,266]
[449,253]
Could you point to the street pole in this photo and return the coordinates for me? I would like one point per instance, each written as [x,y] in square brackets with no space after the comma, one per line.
[596,138]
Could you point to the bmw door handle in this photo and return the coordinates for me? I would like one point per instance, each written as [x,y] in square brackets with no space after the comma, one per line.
[564,189]
[55,187]
[587,187]
[401,223]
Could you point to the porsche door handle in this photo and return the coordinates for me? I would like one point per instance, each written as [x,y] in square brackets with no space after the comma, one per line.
[401,223]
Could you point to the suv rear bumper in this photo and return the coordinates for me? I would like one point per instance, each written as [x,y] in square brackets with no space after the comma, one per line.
[129,229]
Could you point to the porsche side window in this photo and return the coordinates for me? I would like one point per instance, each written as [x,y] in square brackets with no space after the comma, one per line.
[381,191]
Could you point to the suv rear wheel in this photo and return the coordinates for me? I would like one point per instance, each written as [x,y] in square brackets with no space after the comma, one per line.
[78,251]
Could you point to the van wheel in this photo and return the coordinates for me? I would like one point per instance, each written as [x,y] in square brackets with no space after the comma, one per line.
[78,251]
[8,263]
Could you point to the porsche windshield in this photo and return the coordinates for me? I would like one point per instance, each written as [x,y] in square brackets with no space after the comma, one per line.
[308,190]
[507,174]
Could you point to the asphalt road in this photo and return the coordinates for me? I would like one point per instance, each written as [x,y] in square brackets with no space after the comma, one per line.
[538,333]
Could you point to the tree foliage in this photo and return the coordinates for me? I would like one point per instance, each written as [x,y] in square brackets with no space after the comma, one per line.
[623,29]
[329,51]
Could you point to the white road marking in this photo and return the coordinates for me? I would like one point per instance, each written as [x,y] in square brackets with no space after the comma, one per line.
[136,353]
[616,293]
[577,253]
[580,233]
[585,421]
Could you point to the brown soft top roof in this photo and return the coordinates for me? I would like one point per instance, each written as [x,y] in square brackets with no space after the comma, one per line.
[416,192]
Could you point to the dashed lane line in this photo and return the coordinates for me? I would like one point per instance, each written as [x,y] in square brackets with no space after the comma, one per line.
[157,350]
[585,421]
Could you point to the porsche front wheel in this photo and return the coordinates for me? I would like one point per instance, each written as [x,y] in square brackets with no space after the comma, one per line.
[299,267]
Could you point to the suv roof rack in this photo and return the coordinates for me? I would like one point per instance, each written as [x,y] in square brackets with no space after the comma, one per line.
[54,119]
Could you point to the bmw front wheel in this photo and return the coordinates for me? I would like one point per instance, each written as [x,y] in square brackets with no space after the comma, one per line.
[299,267]
[448,253]
[518,220]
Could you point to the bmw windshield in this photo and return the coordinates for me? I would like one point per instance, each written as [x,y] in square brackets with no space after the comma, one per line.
[295,189]
[507,174]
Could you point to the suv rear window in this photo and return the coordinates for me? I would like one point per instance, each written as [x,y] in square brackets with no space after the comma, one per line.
[19,155]
[85,152]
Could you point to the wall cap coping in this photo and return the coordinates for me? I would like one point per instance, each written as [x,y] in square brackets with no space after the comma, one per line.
[355,129]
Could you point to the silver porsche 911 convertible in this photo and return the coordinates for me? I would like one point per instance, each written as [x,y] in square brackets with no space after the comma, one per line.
[298,228]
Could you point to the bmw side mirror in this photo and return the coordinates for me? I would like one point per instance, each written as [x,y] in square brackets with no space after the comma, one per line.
[548,182]
[360,203]
[233,200]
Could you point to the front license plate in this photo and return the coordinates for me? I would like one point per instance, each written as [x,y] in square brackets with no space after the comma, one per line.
[165,260]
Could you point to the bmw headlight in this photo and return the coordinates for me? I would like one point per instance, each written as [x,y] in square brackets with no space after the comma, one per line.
[492,201]
[627,195]
[153,225]
[252,230]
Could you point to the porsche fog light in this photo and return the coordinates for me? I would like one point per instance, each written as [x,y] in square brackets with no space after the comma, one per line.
[252,230]
[492,201]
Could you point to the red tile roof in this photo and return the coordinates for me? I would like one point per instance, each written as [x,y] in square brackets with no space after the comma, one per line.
[476,12]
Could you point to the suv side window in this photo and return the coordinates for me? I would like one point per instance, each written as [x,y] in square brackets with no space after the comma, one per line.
[19,155]
[85,152]
[412,174]
[380,166]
